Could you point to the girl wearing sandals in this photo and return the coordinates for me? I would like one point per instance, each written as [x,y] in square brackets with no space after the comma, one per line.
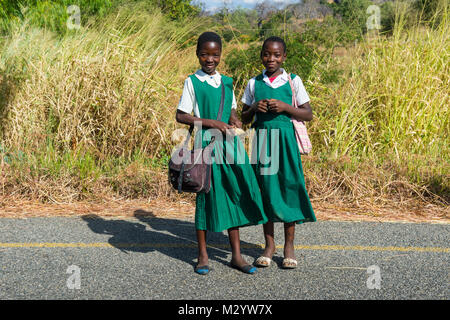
[234,199]
[267,100]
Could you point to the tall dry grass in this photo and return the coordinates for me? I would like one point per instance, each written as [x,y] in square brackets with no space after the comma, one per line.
[385,130]
[90,115]
[105,90]
[76,110]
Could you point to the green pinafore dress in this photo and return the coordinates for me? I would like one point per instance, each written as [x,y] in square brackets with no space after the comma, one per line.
[278,165]
[234,199]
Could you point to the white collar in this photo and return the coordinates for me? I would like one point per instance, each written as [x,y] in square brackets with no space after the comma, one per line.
[203,76]
[283,76]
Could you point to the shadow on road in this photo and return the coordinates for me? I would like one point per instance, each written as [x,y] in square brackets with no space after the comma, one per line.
[168,236]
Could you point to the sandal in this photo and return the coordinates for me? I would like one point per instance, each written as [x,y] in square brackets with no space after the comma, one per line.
[202,269]
[263,262]
[289,263]
[245,269]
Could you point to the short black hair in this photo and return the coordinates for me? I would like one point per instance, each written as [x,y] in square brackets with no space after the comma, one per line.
[274,39]
[208,37]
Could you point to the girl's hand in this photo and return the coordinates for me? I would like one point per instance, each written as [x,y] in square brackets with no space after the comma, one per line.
[236,123]
[277,106]
[234,120]
[222,126]
[261,106]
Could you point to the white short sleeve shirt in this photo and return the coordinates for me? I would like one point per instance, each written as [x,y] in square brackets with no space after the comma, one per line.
[188,102]
[300,92]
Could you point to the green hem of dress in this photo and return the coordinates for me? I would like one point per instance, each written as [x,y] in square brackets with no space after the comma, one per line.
[296,221]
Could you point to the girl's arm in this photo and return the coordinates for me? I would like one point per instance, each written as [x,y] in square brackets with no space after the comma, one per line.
[186,105]
[302,113]
[234,119]
[248,112]
[186,118]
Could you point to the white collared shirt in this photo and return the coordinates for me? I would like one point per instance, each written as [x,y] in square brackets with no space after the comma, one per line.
[300,92]
[188,102]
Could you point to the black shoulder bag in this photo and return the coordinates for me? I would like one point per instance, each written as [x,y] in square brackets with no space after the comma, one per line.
[193,172]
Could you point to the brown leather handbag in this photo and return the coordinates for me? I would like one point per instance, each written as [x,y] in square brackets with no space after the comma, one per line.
[193,173]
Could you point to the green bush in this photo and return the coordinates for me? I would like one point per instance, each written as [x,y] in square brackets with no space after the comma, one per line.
[387,17]
[178,9]
[244,64]
[241,24]
[53,15]
[49,14]
[329,33]
[402,13]
[353,13]
[301,59]
[276,24]
[432,11]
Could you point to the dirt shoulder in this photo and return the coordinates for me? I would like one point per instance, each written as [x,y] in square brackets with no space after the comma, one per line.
[178,209]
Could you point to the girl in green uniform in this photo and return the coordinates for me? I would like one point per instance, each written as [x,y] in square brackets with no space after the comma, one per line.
[267,100]
[234,199]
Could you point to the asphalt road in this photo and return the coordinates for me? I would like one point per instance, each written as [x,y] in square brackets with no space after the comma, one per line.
[153,258]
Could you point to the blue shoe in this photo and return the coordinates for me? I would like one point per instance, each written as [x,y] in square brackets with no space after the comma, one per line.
[201,270]
[245,269]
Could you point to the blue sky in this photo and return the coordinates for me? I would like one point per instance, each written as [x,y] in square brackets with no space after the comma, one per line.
[212,5]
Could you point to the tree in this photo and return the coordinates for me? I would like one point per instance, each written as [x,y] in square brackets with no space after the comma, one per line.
[352,12]
[178,9]
[310,9]
[265,9]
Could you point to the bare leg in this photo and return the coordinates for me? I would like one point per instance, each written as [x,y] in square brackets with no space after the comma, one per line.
[289,233]
[202,253]
[235,242]
[270,248]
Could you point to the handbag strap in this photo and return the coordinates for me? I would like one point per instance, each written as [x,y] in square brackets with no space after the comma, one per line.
[222,101]
[294,99]
[191,129]
[219,114]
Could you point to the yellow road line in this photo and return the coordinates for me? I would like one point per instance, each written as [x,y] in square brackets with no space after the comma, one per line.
[194,245]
